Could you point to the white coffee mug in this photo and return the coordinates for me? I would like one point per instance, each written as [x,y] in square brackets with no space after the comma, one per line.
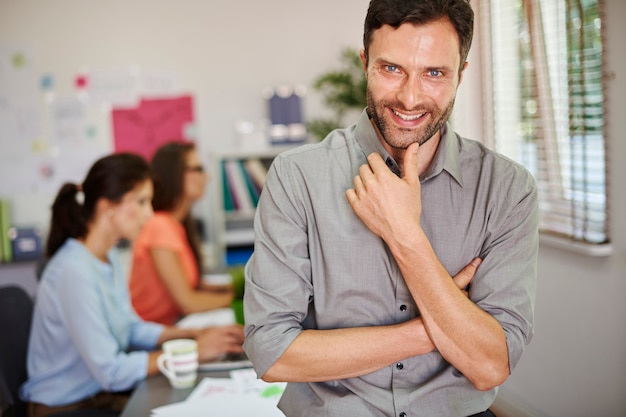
[179,362]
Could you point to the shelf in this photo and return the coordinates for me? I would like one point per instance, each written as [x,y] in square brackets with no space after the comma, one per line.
[238,183]
[239,230]
[235,217]
[242,237]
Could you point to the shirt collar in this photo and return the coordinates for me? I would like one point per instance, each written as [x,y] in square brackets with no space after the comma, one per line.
[446,158]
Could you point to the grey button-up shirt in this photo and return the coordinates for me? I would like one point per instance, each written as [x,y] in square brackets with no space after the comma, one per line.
[316,265]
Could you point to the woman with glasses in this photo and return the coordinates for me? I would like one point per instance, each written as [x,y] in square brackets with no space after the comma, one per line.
[165,282]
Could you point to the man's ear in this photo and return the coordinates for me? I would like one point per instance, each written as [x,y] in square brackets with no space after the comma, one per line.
[462,71]
[363,60]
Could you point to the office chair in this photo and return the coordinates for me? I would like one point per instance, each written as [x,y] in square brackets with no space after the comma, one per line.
[16,312]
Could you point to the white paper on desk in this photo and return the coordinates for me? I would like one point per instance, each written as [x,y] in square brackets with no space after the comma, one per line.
[242,382]
[219,317]
[231,405]
[243,394]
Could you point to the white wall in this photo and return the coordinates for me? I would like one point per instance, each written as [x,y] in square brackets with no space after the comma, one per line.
[225,52]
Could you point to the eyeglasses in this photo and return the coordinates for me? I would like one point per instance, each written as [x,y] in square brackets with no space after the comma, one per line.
[196,168]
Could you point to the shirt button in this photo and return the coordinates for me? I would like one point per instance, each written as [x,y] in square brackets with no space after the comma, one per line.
[403,307]
[399,366]
[402,414]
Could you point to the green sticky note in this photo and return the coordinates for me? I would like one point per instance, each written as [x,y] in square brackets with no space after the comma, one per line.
[272,391]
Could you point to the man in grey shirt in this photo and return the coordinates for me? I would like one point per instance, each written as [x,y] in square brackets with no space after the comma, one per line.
[394,267]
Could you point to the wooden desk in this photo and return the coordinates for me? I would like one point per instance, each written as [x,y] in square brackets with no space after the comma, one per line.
[156,391]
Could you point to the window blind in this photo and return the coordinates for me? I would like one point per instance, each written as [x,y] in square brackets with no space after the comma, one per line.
[544,103]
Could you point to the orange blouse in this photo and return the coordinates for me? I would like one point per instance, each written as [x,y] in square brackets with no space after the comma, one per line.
[149,296]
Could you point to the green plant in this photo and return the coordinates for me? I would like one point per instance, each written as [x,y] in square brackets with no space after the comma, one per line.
[238,275]
[343,90]
[237,272]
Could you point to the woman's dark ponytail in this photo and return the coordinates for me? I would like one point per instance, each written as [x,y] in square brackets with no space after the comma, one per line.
[68,218]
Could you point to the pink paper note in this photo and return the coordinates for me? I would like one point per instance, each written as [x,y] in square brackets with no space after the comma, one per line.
[154,122]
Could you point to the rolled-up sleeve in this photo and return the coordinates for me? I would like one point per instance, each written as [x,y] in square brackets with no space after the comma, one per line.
[278,284]
[507,282]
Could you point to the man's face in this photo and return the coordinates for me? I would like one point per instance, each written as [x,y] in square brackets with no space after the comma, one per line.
[412,78]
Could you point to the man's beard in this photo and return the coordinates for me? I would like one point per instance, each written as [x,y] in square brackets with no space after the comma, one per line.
[401,138]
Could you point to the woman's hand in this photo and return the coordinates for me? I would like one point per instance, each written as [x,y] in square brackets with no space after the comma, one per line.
[214,342]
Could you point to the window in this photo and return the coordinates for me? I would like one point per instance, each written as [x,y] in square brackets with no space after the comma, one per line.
[545,106]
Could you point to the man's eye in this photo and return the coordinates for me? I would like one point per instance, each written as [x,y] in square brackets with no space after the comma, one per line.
[391,68]
[435,73]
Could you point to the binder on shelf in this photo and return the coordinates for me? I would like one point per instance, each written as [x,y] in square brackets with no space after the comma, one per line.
[256,171]
[229,205]
[239,189]
[26,244]
[252,188]
[6,250]
[238,256]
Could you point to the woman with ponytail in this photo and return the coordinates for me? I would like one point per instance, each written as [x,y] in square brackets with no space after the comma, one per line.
[88,347]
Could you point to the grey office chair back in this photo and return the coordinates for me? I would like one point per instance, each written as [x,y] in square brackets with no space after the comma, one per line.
[16,312]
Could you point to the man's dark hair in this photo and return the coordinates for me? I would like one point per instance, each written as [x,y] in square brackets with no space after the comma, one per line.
[419,12]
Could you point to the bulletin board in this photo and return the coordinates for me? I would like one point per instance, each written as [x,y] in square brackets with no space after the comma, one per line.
[48,138]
